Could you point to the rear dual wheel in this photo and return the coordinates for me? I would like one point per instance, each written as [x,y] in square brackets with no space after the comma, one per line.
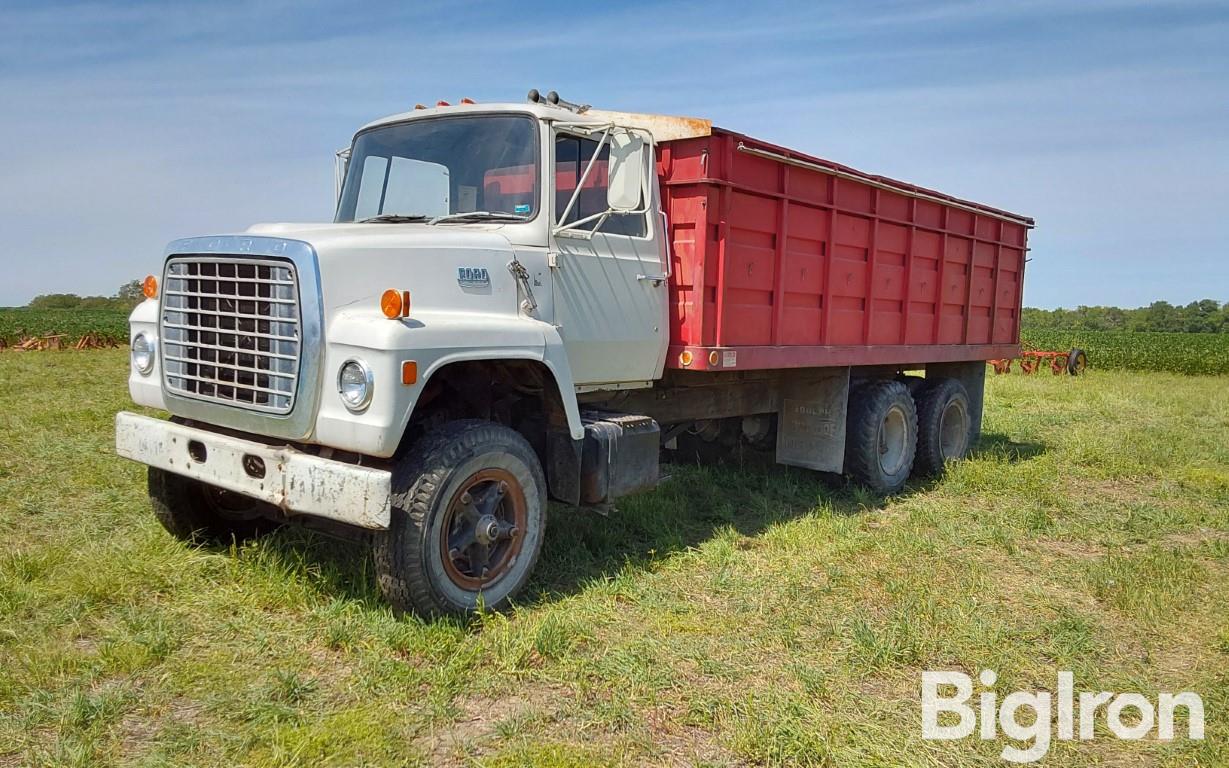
[945,425]
[881,432]
[895,429]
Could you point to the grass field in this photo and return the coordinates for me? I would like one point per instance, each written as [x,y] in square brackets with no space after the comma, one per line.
[743,616]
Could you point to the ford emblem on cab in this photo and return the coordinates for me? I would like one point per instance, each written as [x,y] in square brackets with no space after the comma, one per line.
[473,277]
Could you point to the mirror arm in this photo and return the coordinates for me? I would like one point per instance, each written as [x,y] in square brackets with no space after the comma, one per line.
[585,176]
[567,228]
[341,164]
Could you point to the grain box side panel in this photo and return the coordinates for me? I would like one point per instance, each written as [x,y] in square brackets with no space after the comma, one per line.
[804,265]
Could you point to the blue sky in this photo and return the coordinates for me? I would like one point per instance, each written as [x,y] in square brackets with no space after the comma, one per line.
[127,125]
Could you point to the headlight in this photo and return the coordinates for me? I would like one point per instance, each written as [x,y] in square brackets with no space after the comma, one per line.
[143,354]
[354,384]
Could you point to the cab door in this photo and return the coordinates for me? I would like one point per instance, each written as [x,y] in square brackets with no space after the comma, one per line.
[610,274]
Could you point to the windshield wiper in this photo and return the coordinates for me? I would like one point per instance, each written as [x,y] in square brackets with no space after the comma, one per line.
[481,215]
[396,218]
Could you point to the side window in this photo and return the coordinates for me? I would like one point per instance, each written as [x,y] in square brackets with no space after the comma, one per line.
[572,155]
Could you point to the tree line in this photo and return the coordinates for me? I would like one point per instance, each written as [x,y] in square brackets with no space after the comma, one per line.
[127,297]
[1206,316]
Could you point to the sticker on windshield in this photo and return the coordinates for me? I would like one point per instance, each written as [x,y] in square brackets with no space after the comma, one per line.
[522,208]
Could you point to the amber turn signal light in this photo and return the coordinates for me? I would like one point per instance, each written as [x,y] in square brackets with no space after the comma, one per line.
[150,287]
[390,304]
[395,304]
[409,372]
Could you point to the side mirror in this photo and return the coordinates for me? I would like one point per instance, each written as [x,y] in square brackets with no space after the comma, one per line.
[341,162]
[625,173]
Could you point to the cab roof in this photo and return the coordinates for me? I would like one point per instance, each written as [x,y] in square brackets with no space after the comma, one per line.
[662,127]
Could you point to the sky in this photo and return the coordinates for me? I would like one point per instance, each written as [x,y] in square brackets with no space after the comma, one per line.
[124,126]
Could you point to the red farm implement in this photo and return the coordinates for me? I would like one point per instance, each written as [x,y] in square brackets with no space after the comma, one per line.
[1031,360]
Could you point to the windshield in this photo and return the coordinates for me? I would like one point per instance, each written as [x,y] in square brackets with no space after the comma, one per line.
[444,166]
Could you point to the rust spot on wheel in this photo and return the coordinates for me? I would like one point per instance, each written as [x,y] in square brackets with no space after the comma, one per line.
[483,529]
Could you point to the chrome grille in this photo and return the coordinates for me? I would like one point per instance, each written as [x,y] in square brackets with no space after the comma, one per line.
[231,331]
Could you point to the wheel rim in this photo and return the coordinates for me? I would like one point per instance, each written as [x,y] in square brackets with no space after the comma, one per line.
[953,430]
[483,529]
[893,440]
[1081,363]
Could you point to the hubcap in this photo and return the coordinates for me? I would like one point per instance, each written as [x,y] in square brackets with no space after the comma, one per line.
[893,440]
[954,430]
[483,529]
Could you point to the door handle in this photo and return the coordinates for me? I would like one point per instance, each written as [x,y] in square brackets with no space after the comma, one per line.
[657,279]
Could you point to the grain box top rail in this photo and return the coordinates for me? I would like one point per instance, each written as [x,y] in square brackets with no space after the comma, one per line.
[759,148]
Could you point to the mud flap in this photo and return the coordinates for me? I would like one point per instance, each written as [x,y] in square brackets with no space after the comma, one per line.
[811,422]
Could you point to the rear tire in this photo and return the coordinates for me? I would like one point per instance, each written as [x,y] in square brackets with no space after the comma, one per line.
[200,513]
[880,435]
[944,425]
[469,513]
[1077,361]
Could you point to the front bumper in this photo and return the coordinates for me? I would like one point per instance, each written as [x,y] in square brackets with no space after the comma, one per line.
[296,482]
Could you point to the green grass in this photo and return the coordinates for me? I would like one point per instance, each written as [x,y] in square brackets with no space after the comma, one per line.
[736,616]
[17,323]
[1190,353]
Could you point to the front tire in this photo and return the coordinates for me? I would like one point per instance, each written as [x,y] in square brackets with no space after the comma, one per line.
[200,513]
[880,435]
[469,513]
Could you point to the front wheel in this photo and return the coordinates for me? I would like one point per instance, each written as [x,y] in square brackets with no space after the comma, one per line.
[200,513]
[469,512]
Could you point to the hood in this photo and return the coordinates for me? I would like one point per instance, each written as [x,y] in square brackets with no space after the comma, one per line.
[445,268]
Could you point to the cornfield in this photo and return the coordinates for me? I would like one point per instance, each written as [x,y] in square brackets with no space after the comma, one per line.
[1189,353]
[19,323]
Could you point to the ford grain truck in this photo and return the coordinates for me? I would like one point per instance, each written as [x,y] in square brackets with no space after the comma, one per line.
[537,301]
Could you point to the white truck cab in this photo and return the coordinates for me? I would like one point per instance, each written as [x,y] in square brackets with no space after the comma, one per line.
[412,367]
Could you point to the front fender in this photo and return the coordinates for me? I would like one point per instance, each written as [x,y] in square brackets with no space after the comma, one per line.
[146,389]
[432,340]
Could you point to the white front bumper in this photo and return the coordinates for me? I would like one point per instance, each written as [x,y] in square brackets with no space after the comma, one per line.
[294,481]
